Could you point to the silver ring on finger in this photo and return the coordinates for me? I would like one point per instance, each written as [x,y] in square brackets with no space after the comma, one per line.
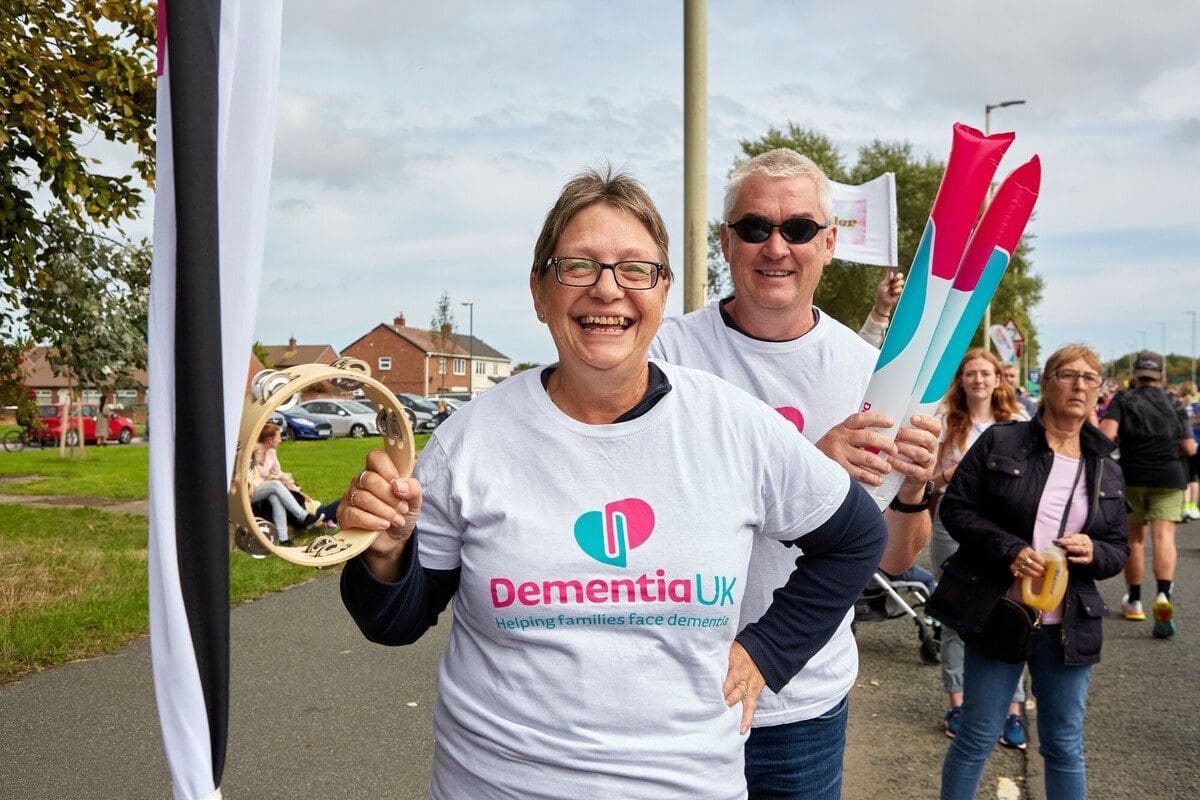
[350,502]
[359,479]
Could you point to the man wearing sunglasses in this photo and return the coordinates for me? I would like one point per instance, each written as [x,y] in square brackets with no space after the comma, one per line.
[769,339]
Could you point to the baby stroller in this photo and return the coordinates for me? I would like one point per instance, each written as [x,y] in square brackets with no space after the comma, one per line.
[888,597]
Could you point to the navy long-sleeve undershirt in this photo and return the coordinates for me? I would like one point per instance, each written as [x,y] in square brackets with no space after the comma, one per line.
[838,561]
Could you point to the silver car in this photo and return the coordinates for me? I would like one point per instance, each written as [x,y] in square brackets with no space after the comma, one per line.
[347,417]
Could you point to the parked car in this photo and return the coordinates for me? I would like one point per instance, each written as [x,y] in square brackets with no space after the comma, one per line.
[347,417]
[458,397]
[302,425]
[120,428]
[454,403]
[422,412]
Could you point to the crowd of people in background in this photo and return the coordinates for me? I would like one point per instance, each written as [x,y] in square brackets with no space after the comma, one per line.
[1004,491]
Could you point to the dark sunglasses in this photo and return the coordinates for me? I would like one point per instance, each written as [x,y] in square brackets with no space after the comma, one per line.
[757,230]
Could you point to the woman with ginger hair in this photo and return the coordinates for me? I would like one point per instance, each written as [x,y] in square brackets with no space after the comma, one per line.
[978,398]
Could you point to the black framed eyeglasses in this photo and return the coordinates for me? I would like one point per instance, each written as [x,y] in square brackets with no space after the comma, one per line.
[1069,376]
[797,230]
[573,271]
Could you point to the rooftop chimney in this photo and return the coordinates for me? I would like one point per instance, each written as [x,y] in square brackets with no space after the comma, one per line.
[399,320]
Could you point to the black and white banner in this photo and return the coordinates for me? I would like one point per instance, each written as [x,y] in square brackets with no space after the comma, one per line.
[218,78]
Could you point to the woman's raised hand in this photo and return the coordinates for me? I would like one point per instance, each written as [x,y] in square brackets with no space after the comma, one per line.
[380,499]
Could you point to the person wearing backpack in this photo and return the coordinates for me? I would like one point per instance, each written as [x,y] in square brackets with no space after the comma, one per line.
[1152,433]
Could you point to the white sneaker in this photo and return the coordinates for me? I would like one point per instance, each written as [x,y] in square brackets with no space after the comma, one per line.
[1132,611]
[1191,512]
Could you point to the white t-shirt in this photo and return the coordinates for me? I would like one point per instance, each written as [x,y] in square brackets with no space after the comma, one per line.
[603,576]
[815,382]
[954,456]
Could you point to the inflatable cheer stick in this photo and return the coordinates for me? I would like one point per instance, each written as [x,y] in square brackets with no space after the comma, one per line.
[969,170]
[983,265]
[271,390]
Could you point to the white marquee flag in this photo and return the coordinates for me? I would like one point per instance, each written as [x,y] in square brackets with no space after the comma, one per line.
[867,221]
[218,77]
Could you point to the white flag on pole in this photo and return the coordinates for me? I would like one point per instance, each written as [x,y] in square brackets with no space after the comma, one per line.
[866,219]
[1002,339]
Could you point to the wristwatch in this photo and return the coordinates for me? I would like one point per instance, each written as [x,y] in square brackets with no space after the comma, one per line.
[912,508]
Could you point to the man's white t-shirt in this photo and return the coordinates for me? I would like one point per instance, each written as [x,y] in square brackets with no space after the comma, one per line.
[815,382]
[603,577]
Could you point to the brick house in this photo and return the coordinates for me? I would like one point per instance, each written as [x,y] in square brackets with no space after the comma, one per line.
[291,354]
[52,389]
[414,360]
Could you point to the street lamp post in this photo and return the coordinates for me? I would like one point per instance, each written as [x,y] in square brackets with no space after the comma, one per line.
[987,129]
[470,347]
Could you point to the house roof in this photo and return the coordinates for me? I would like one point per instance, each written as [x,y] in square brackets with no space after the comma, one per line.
[423,340]
[291,354]
[480,348]
[40,375]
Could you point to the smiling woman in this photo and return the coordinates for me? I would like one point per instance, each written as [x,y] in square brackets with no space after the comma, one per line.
[629,492]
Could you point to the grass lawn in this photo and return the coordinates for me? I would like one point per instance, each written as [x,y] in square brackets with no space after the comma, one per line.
[73,581]
[74,584]
[322,468]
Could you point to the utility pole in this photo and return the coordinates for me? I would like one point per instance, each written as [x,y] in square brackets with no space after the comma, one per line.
[695,154]
[470,347]
[1193,353]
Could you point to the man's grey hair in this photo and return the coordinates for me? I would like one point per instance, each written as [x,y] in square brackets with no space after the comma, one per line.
[780,163]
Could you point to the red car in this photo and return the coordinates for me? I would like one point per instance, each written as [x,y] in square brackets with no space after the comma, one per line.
[120,429]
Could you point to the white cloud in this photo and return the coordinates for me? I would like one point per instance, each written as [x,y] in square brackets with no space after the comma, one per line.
[420,146]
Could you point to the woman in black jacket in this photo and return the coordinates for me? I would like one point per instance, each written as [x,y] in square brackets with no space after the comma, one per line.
[1022,487]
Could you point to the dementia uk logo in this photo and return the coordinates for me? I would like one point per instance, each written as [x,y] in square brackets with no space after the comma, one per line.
[608,536]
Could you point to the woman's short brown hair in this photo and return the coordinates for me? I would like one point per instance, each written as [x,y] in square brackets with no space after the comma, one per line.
[614,187]
[1069,353]
[268,432]
[1065,355]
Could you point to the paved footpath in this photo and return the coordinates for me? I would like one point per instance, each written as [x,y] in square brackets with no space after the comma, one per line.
[318,712]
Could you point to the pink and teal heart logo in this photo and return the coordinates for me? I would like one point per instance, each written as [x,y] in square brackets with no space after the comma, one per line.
[609,535]
[793,416]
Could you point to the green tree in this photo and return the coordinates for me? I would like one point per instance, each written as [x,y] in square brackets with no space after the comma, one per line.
[441,325]
[262,353]
[92,311]
[846,290]
[13,391]
[71,71]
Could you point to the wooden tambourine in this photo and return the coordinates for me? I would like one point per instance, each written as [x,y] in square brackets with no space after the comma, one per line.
[272,390]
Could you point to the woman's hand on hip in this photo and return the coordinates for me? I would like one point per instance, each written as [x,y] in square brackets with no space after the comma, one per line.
[743,684]
[1078,546]
[1029,562]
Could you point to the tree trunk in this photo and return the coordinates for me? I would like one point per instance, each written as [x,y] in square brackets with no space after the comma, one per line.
[79,421]
[64,416]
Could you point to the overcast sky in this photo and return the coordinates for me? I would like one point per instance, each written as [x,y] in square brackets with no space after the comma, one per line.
[420,145]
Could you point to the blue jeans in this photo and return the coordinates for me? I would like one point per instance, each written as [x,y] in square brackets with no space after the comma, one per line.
[282,504]
[1061,692]
[800,759]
